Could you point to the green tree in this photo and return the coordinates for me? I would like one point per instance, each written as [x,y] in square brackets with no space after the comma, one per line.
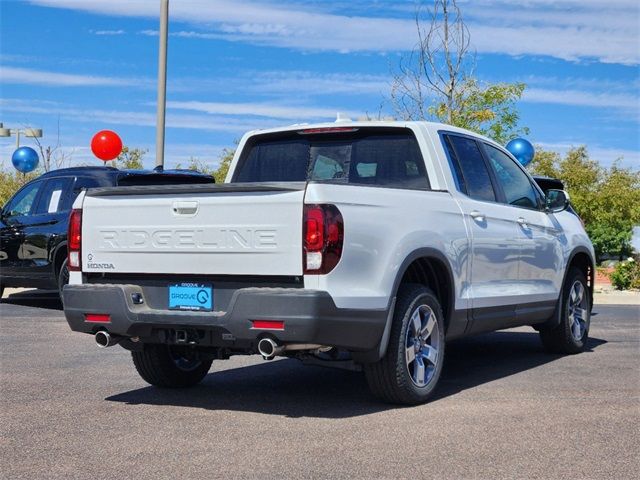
[130,159]
[225,162]
[489,109]
[435,81]
[607,200]
[219,173]
[198,165]
[11,182]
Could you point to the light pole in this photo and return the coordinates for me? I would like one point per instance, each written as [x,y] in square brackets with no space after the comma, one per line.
[162,82]
[27,132]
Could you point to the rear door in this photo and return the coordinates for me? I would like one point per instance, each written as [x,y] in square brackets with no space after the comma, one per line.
[45,227]
[494,235]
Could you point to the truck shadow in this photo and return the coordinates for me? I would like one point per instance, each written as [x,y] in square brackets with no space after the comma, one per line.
[288,388]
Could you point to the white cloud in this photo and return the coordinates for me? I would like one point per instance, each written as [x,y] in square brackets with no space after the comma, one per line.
[108,32]
[313,83]
[606,31]
[27,76]
[582,98]
[268,110]
[220,123]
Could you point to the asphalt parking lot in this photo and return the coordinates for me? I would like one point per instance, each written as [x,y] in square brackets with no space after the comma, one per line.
[505,409]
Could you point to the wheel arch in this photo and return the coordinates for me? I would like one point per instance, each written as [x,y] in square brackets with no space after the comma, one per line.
[582,259]
[59,256]
[425,266]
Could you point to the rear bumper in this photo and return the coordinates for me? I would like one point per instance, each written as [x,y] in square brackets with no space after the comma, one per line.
[309,316]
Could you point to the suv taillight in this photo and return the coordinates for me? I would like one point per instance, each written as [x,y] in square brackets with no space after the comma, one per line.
[74,240]
[323,234]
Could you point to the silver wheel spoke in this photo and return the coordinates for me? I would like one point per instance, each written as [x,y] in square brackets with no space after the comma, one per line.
[579,292]
[428,327]
[430,354]
[418,371]
[574,295]
[576,330]
[410,354]
[580,314]
[416,323]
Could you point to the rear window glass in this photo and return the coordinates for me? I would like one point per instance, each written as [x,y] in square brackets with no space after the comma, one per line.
[379,157]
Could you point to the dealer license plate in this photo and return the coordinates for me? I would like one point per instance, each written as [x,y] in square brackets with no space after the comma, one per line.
[190,296]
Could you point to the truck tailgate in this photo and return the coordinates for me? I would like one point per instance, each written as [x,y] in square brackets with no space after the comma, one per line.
[234,229]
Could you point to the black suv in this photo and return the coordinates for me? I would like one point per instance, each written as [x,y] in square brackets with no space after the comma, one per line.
[34,222]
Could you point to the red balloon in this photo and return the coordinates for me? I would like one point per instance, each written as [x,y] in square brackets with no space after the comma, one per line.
[106,145]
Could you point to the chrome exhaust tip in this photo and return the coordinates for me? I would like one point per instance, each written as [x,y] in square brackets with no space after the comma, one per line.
[268,348]
[104,339]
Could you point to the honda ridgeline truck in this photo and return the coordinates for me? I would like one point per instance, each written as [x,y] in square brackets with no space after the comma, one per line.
[367,245]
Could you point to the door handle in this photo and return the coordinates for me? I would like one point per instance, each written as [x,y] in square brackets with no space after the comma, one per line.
[188,208]
[523,222]
[477,216]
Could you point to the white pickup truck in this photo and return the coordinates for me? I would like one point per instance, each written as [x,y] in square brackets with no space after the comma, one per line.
[364,245]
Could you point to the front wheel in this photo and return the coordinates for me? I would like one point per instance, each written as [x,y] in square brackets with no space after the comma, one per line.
[410,370]
[170,366]
[572,333]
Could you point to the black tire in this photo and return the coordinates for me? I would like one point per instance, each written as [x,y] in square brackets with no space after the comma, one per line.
[568,337]
[170,366]
[63,277]
[393,378]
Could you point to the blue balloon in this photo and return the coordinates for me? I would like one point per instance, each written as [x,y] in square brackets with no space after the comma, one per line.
[25,159]
[522,150]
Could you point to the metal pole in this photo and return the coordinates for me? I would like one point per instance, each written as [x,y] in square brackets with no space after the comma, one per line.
[17,138]
[162,82]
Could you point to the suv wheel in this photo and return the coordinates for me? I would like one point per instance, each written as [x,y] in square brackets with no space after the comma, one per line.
[63,277]
[410,370]
[572,333]
[170,366]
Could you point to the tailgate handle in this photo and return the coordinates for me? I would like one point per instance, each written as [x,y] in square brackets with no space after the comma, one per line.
[185,208]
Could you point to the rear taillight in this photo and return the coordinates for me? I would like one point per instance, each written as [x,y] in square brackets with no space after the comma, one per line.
[74,240]
[323,233]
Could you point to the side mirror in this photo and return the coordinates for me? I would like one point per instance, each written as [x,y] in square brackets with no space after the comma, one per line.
[556,201]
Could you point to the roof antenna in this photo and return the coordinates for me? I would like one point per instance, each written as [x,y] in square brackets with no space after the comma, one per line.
[340,118]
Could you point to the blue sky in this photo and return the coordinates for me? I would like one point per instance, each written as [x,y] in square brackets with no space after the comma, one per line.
[236,65]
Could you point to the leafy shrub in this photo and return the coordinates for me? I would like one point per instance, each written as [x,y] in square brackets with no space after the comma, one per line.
[626,274]
[12,181]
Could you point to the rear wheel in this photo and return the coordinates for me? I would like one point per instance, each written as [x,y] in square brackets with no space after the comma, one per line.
[170,366]
[410,370]
[572,333]
[63,277]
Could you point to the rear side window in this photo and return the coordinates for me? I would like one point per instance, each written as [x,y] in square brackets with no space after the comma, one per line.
[469,168]
[84,183]
[54,196]
[377,157]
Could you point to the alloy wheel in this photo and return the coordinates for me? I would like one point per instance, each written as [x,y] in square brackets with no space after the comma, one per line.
[422,345]
[578,310]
